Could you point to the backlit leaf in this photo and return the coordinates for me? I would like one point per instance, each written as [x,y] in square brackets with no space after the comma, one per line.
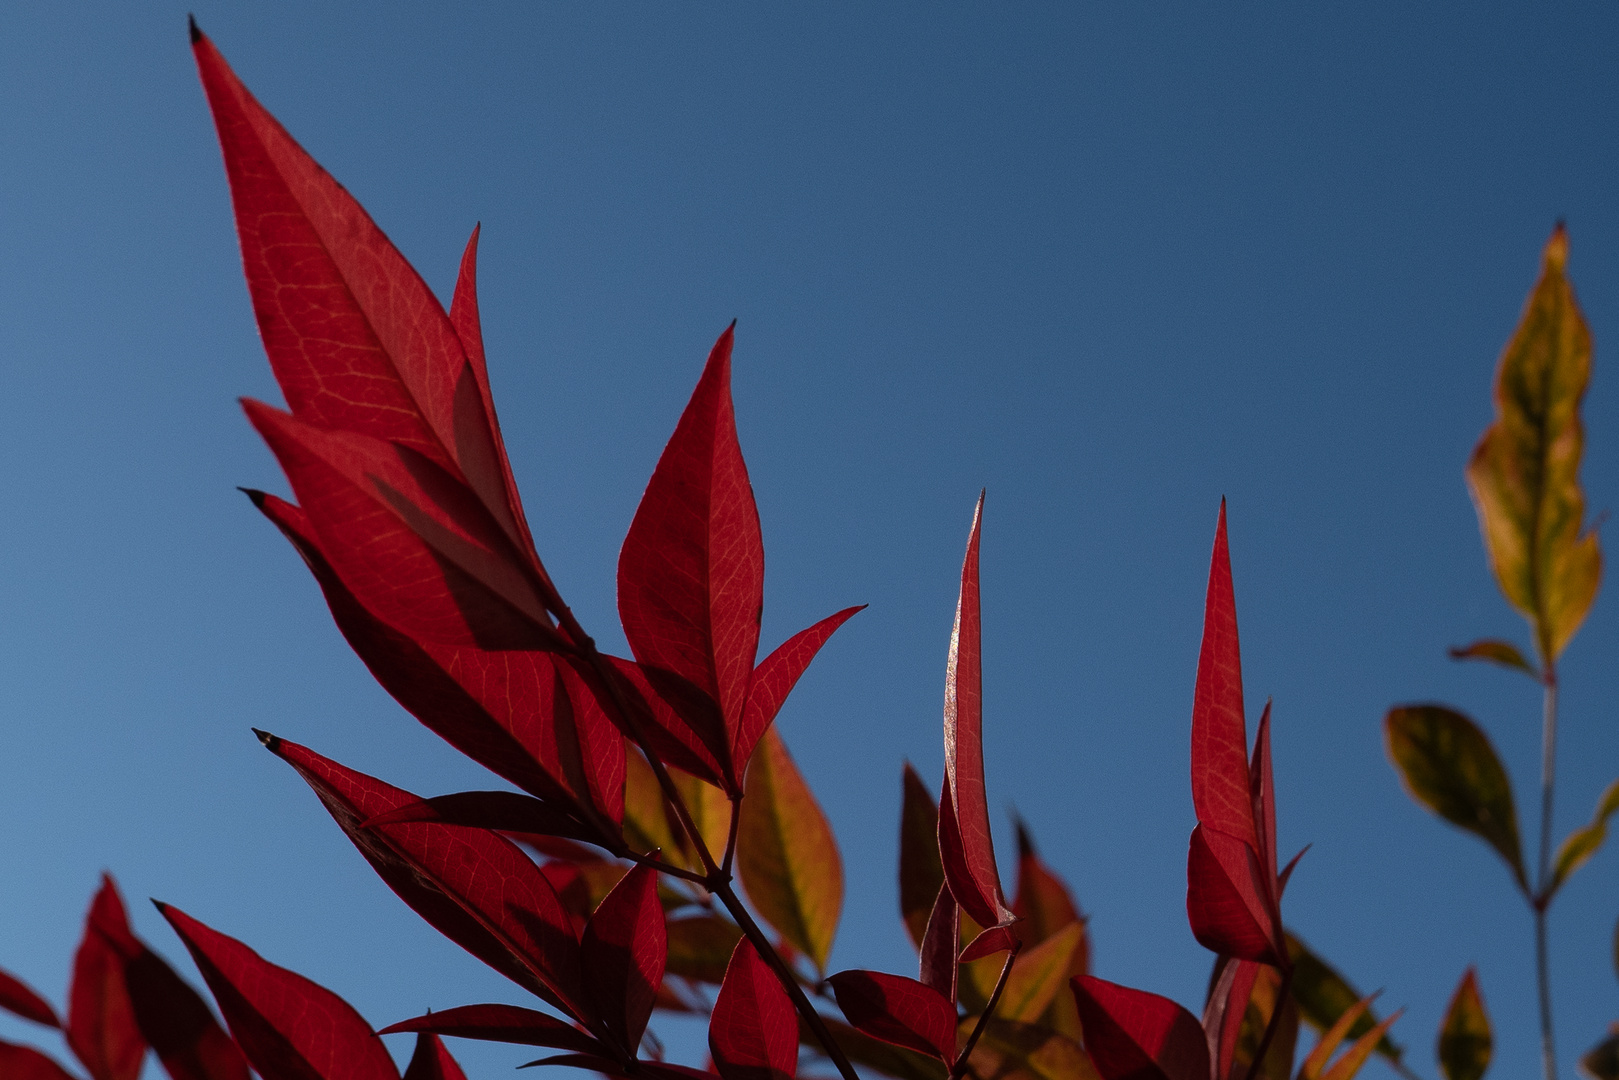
[431,1061]
[622,954]
[288,1027]
[1037,976]
[1327,1045]
[1578,847]
[1350,1063]
[1260,1007]
[920,874]
[1225,1012]
[20,999]
[1496,652]
[753,1032]
[1449,766]
[1465,1040]
[1524,473]
[1042,904]
[101,1025]
[898,1010]
[775,678]
[786,855]
[1134,1035]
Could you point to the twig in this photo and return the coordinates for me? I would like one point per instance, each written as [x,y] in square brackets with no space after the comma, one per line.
[960,1066]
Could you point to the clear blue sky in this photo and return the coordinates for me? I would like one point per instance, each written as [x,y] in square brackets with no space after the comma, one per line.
[1110,261]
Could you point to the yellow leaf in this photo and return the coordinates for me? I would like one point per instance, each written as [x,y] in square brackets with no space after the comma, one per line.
[710,811]
[1037,976]
[786,854]
[1011,1051]
[1524,473]
[1582,843]
[1464,1038]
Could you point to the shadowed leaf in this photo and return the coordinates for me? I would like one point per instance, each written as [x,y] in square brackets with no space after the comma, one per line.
[1450,767]
[898,1010]
[1601,1062]
[1037,976]
[752,1033]
[1503,653]
[432,1061]
[1465,1041]
[886,1058]
[1134,1035]
[786,855]
[700,947]
[101,1026]
[1256,1017]
[1013,1051]
[1578,847]
[1524,473]
[622,955]
[920,874]
[26,1063]
[19,998]
[504,1024]
[1324,995]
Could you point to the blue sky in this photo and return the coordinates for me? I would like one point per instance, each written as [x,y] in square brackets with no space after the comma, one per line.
[1110,262]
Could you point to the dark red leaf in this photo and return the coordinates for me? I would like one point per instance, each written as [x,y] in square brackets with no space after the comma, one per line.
[495,707]
[653,1070]
[1227,1006]
[1134,1035]
[289,1027]
[1228,915]
[898,1010]
[753,1032]
[996,939]
[26,1063]
[774,679]
[974,880]
[1262,794]
[940,943]
[500,811]
[503,1024]
[691,572]
[680,722]
[432,1061]
[17,997]
[920,873]
[101,1026]
[1043,904]
[178,1024]
[475,887]
[416,546]
[958,874]
[622,955]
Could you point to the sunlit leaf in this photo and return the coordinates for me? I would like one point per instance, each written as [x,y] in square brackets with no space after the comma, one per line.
[1524,473]
[1582,843]
[1037,976]
[786,855]
[752,1034]
[1496,652]
[1465,1040]
[1449,766]
[1349,1064]
[1327,1045]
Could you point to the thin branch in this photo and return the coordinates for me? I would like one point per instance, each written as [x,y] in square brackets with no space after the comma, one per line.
[1548,785]
[960,1066]
[730,840]
[664,868]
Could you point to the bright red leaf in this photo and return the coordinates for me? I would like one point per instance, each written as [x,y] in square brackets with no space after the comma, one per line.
[17,997]
[775,678]
[753,1032]
[937,967]
[101,1027]
[1134,1035]
[964,841]
[504,1024]
[432,1061]
[1227,1006]
[622,955]
[898,1010]
[691,572]
[289,1027]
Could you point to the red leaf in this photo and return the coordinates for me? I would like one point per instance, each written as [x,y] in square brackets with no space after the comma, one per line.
[623,953]
[1219,733]
[289,1027]
[178,1024]
[1262,795]
[753,1033]
[691,572]
[652,1070]
[495,707]
[940,942]
[680,722]
[17,997]
[996,939]
[26,1063]
[975,882]
[498,811]
[504,1024]
[957,871]
[774,679]
[1227,913]
[898,1010]
[101,1026]
[432,1061]
[415,545]
[475,887]
[1227,1006]
[1134,1035]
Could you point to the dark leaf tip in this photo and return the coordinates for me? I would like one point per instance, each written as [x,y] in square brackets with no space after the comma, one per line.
[271,742]
[191,24]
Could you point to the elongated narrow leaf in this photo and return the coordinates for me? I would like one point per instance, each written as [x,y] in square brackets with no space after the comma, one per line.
[753,1032]
[874,1054]
[1225,902]
[1134,1035]
[1220,788]
[499,811]
[101,1027]
[475,887]
[1350,1063]
[288,1027]
[1225,1012]
[432,1061]
[1449,766]
[775,678]
[1038,975]
[1316,1060]
[898,1010]
[1465,1040]
[1324,995]
[937,967]
[920,874]
[1494,651]
[504,1024]
[1578,847]
[26,1063]
[787,856]
[1525,471]
[974,879]
[1012,1051]
[498,708]
[19,998]
[622,955]
[1263,1003]
[691,572]
[700,947]
[1042,904]
[177,1023]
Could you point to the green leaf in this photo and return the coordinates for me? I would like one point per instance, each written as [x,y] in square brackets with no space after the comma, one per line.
[1496,652]
[1524,473]
[1449,766]
[786,855]
[1324,996]
[1464,1037]
[1578,847]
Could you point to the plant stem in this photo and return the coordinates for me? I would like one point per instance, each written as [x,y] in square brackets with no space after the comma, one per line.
[1548,783]
[960,1066]
[1283,994]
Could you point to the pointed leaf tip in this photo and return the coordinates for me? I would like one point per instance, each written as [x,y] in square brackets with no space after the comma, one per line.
[271,743]
[191,26]
[1465,1039]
